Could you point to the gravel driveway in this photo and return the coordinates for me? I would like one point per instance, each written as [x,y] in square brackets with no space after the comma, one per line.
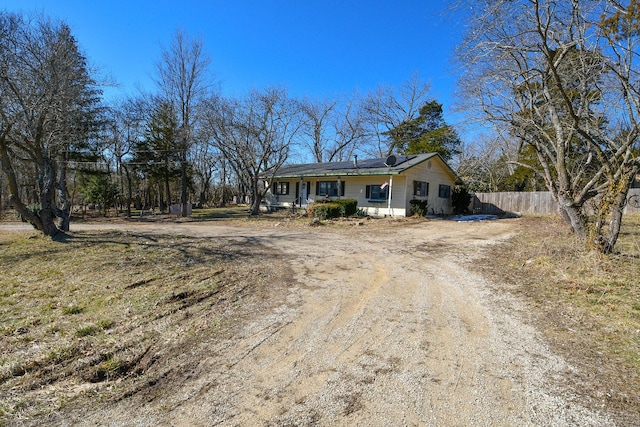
[385,326]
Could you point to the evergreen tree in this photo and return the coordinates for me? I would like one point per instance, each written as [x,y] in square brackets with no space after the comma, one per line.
[427,133]
[158,155]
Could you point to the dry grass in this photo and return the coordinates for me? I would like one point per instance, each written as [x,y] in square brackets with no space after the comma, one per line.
[98,307]
[586,304]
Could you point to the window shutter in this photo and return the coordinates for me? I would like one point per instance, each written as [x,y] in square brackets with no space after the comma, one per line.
[427,192]
[415,188]
[342,189]
[273,188]
[317,188]
[297,189]
[368,192]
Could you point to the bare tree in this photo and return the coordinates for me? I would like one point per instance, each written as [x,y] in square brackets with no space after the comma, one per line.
[551,74]
[184,81]
[314,132]
[48,109]
[125,128]
[486,164]
[204,159]
[387,109]
[332,130]
[254,135]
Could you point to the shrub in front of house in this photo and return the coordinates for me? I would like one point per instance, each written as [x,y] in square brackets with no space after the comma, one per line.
[419,207]
[333,209]
[324,210]
[460,200]
[348,207]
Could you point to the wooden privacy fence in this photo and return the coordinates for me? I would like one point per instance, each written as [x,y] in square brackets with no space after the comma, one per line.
[535,202]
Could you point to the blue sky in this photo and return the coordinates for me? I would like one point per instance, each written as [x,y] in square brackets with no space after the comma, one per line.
[313,48]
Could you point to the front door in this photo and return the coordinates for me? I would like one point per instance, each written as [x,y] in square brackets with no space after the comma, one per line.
[303,193]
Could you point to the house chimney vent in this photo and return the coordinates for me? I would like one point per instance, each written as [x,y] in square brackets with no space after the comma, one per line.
[355,160]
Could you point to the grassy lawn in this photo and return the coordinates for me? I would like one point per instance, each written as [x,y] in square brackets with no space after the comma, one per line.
[101,306]
[206,214]
[587,305]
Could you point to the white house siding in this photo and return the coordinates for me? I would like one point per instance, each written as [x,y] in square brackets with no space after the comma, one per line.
[281,199]
[356,188]
[434,172]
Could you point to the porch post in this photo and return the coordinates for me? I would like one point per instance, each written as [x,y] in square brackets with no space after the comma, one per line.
[390,189]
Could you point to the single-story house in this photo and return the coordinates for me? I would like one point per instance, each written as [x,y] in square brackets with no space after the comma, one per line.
[381,186]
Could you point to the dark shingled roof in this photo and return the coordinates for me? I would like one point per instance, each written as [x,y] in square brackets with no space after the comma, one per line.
[364,167]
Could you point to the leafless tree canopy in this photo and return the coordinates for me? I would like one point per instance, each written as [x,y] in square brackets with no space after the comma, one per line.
[387,108]
[254,134]
[184,82]
[552,74]
[485,164]
[332,131]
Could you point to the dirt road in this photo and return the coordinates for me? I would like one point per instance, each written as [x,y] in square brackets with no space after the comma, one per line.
[384,326]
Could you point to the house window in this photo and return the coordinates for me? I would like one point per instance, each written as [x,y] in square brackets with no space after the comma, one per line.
[377,192]
[281,188]
[420,188]
[444,191]
[329,188]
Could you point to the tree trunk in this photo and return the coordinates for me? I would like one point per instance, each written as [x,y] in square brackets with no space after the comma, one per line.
[223,202]
[256,198]
[14,198]
[167,188]
[46,214]
[44,219]
[47,219]
[183,187]
[206,190]
[202,199]
[255,206]
[64,212]
[573,216]
[609,241]
[65,218]
[611,209]
[129,190]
